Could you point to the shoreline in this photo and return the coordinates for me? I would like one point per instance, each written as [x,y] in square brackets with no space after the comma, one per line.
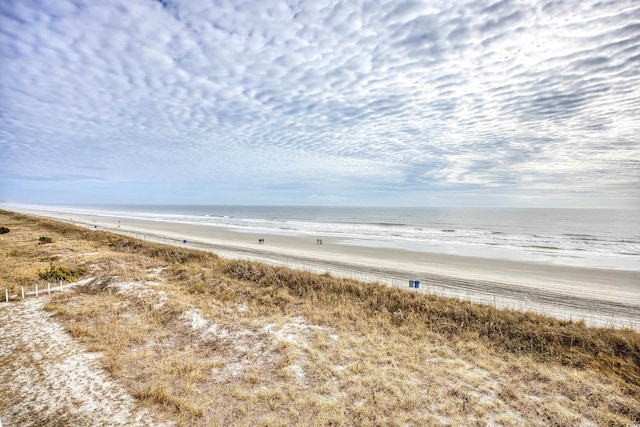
[600,297]
[571,247]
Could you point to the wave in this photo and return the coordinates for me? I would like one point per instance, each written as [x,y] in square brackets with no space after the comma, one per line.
[403,232]
[583,237]
[552,248]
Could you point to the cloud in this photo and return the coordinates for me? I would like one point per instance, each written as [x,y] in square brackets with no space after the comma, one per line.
[410,96]
[55,177]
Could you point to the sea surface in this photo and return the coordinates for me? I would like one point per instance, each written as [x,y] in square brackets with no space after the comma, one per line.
[600,238]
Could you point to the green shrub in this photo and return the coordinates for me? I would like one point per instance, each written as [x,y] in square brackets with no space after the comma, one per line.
[60,272]
[4,230]
[44,240]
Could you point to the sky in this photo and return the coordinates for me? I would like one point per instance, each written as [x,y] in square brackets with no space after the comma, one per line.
[317,102]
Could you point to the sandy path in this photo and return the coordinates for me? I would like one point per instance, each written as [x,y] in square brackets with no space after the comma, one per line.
[601,297]
[46,378]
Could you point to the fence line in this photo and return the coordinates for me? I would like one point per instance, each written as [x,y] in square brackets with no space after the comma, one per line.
[37,292]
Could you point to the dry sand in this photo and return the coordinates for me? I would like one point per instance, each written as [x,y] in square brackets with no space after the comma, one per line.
[47,378]
[601,297]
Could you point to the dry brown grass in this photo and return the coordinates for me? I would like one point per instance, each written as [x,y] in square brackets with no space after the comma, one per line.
[218,342]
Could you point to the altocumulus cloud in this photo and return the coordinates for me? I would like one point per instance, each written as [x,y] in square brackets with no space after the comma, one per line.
[416,102]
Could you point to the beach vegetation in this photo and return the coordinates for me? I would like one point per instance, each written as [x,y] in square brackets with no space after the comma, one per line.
[60,272]
[4,230]
[43,240]
[203,340]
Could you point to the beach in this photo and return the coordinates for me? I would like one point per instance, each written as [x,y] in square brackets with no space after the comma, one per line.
[599,296]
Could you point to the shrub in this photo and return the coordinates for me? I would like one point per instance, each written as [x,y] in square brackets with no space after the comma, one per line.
[4,230]
[61,272]
[44,240]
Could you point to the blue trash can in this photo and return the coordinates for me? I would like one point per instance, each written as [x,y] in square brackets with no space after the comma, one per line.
[416,284]
[184,241]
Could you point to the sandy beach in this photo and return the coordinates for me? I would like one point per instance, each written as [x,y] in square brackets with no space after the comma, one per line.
[600,297]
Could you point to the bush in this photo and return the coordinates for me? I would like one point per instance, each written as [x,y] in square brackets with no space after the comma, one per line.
[61,272]
[44,240]
[4,230]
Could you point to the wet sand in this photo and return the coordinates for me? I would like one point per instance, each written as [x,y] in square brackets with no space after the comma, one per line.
[600,297]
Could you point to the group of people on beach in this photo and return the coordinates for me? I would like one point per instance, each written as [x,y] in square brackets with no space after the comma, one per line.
[261,241]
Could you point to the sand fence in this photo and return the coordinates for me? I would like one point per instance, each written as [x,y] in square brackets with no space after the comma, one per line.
[39,289]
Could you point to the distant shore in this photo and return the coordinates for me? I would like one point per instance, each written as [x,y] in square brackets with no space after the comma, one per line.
[600,297]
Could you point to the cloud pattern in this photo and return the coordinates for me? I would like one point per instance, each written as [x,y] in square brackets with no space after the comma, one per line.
[325,99]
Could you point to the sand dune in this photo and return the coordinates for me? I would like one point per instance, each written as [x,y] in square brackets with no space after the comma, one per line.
[601,297]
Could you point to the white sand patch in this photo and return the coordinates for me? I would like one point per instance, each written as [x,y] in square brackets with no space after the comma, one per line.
[297,333]
[194,318]
[235,368]
[299,373]
[162,298]
[144,290]
[78,283]
[48,379]
[155,272]
[241,347]
[294,332]
[478,383]
[247,348]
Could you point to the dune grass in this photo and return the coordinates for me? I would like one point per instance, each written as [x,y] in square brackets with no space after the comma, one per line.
[209,341]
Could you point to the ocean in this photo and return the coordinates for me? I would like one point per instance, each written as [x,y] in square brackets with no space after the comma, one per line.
[598,238]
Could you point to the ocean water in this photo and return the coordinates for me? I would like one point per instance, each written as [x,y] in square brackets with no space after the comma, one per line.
[600,238]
